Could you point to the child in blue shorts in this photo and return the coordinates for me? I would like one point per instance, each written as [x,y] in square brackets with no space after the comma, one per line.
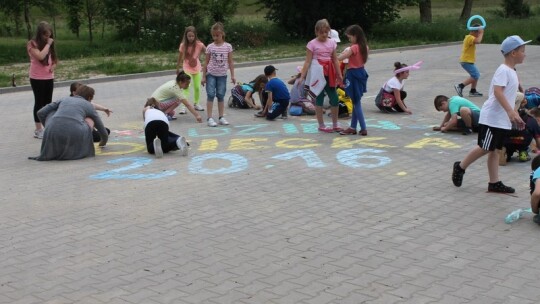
[467,59]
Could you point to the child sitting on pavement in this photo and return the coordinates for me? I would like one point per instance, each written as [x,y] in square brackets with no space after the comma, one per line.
[278,95]
[520,140]
[461,114]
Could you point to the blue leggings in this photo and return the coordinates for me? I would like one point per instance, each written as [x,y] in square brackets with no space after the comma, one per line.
[357,80]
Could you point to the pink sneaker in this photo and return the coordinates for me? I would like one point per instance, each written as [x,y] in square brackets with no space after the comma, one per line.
[326,129]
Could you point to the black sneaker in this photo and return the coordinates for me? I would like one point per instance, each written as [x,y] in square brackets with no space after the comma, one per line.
[457,174]
[459,90]
[499,187]
[475,94]
[536,218]
[466,131]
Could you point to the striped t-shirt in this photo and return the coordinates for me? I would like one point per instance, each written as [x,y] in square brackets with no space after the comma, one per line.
[218,63]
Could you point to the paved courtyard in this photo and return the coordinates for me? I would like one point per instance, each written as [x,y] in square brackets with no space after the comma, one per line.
[269,212]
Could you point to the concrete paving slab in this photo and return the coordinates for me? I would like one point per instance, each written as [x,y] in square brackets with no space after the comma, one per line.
[268,212]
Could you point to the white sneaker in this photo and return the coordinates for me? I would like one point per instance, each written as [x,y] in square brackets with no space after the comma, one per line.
[182,145]
[39,133]
[157,148]
[223,121]
[198,107]
[182,110]
[212,122]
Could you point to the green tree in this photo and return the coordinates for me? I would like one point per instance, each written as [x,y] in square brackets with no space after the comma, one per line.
[73,10]
[467,8]
[340,13]
[221,10]
[425,11]
[516,8]
[13,9]
[93,10]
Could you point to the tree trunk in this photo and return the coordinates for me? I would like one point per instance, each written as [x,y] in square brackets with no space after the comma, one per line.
[425,11]
[466,12]
[27,18]
[89,15]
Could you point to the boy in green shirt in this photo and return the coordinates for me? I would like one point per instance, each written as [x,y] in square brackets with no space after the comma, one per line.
[461,114]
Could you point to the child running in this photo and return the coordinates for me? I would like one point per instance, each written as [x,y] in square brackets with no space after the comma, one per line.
[497,116]
[219,58]
[356,76]
[158,138]
[467,59]
[189,52]
[324,74]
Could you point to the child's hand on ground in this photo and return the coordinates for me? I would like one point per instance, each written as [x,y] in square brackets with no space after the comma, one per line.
[198,118]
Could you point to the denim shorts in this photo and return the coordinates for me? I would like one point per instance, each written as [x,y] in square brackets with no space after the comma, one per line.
[471,69]
[216,87]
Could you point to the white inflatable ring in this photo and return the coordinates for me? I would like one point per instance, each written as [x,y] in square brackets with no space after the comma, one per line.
[474,28]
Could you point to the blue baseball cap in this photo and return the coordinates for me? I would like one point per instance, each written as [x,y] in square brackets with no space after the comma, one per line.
[511,43]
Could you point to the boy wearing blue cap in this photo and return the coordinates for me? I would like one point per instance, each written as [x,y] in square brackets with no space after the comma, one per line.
[497,116]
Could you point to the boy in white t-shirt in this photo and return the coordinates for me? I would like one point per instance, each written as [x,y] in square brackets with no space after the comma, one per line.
[497,116]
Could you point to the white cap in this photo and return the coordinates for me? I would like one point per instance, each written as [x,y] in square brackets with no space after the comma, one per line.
[511,43]
[334,35]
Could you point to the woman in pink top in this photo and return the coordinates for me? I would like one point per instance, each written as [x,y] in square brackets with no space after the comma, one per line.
[356,77]
[42,64]
[188,56]
[321,51]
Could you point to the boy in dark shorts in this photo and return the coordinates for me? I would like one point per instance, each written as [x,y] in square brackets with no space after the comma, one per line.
[461,114]
[278,95]
[496,117]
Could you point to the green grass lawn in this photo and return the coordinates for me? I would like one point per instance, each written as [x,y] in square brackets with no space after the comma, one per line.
[79,59]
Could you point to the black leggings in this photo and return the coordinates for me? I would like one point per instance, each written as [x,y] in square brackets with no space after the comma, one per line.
[43,92]
[159,129]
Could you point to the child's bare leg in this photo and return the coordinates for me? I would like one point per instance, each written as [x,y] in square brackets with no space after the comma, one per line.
[209,108]
[334,110]
[221,108]
[493,166]
[466,116]
[319,115]
[473,155]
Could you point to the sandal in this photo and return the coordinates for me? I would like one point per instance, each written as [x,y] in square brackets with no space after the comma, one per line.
[337,129]
[326,129]
[349,131]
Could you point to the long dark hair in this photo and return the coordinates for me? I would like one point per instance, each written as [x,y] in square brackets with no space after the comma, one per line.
[357,31]
[42,28]
[261,79]
[186,42]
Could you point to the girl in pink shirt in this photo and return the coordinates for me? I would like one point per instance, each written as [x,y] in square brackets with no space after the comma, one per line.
[218,60]
[42,64]
[321,51]
[189,51]
[356,77]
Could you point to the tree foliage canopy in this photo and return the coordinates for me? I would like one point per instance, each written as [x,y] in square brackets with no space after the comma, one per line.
[299,17]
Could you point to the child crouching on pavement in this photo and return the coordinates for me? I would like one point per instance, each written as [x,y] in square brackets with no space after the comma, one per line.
[278,96]
[461,114]
[158,138]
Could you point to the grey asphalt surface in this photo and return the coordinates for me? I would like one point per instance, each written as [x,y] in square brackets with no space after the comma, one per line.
[269,212]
